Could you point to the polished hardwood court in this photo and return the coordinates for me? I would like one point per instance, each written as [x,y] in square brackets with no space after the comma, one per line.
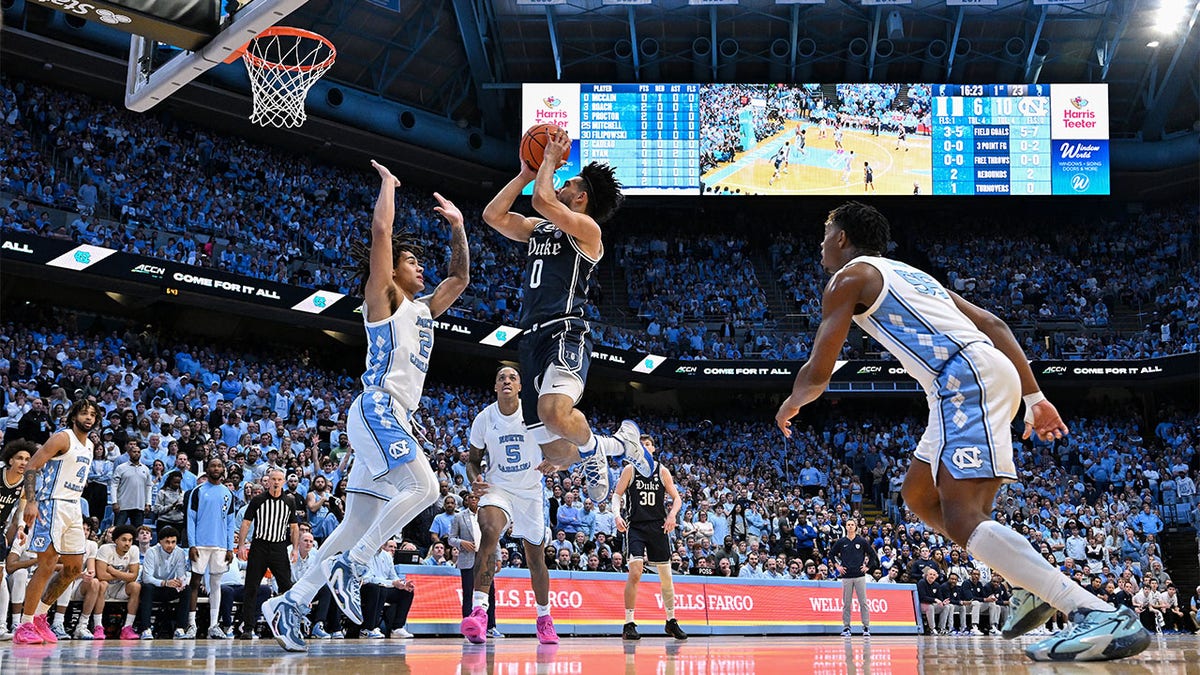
[520,656]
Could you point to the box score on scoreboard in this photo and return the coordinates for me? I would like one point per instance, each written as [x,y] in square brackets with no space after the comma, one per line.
[999,139]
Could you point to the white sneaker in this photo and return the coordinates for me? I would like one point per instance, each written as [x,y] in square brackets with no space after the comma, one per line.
[373,634]
[976,631]
[190,632]
[81,632]
[215,633]
[630,436]
[402,634]
[5,636]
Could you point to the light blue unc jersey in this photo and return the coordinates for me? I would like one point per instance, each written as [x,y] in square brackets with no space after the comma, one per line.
[398,350]
[916,320]
[65,476]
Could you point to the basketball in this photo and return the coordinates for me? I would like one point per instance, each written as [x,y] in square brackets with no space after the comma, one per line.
[533,144]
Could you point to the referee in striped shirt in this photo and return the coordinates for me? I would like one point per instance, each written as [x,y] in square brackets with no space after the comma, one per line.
[273,514]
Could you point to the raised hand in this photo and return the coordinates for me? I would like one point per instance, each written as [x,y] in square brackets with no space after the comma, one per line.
[558,149]
[448,210]
[385,174]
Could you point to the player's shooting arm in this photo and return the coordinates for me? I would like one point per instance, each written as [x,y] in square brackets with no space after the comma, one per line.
[581,226]
[498,216]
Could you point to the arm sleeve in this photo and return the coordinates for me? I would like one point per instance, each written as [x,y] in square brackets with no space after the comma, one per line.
[116,487]
[252,508]
[455,532]
[190,500]
[231,523]
[149,487]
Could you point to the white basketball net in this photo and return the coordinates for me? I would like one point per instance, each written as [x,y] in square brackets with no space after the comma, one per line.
[282,68]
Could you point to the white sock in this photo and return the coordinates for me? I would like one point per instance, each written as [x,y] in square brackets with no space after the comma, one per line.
[1010,554]
[129,617]
[629,616]
[610,446]
[191,618]
[19,619]
[543,610]
[97,621]
[42,609]
[60,615]
[214,600]
[589,446]
[479,599]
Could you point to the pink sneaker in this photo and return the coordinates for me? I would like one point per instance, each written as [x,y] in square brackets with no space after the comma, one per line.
[474,626]
[43,628]
[545,630]
[98,633]
[27,634]
[128,633]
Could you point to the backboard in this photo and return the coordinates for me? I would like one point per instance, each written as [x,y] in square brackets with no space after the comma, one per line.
[148,82]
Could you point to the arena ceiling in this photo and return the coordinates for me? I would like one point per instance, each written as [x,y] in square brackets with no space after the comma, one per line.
[463,61]
[464,58]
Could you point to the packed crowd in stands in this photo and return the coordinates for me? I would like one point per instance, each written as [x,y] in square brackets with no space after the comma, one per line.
[753,505]
[124,183]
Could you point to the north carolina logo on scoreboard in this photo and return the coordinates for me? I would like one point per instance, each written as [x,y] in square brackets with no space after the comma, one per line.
[552,101]
[1079,102]
[1032,106]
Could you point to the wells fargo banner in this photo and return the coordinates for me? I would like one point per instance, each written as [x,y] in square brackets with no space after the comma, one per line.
[590,603]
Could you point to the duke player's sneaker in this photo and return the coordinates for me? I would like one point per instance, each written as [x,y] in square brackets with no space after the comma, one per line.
[345,581]
[595,475]
[630,436]
[1028,612]
[1095,635]
[474,626]
[283,618]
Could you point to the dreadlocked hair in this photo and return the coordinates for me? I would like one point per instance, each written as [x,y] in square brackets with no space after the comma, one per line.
[603,190]
[360,252]
[866,227]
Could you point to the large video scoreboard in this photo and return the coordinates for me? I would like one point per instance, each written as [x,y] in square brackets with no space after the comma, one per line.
[759,139]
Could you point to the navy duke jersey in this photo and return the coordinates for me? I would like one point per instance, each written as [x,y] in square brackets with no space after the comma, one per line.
[556,276]
[647,499]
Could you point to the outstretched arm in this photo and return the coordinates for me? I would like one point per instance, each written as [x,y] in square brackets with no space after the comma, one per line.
[837,311]
[380,292]
[460,259]
[1041,415]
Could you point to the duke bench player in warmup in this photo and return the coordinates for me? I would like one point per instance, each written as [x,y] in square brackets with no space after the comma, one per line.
[564,247]
[648,537]
[975,376]
[510,493]
[54,518]
[391,480]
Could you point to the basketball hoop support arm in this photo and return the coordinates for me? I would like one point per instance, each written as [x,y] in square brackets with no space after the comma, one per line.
[143,92]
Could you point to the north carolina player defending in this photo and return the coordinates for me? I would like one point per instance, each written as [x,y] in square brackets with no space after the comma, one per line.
[975,376]
[54,519]
[391,480]
[564,248]
[211,521]
[510,493]
[648,540]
